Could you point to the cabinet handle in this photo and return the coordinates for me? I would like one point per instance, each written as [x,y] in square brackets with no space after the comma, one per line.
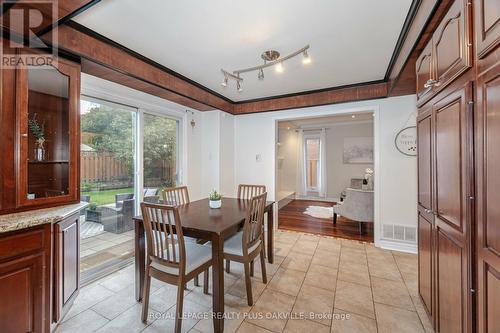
[24,135]
[430,83]
[428,211]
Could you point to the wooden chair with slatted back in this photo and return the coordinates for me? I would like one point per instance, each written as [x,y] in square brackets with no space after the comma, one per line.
[180,196]
[176,195]
[248,191]
[246,245]
[169,258]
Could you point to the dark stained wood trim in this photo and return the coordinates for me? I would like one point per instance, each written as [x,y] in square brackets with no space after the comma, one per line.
[406,74]
[92,49]
[415,5]
[147,60]
[333,96]
[99,70]
[68,17]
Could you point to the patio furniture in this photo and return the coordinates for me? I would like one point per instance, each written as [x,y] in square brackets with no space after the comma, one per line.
[357,206]
[149,194]
[118,219]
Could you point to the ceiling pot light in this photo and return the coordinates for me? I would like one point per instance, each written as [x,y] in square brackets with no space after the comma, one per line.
[306,60]
[261,74]
[279,67]
[353,116]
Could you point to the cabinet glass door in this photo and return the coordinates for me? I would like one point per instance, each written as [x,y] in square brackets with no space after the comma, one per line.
[47,133]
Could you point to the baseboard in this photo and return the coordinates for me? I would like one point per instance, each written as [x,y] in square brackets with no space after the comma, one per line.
[398,246]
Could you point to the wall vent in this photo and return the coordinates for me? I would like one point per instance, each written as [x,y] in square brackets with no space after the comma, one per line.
[399,232]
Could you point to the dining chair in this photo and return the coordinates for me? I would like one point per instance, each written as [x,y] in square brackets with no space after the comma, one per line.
[169,258]
[247,244]
[180,196]
[176,195]
[248,191]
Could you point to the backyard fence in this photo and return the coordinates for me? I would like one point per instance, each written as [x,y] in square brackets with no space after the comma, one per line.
[101,166]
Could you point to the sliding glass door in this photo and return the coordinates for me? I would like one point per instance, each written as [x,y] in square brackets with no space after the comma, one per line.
[128,155]
[108,168]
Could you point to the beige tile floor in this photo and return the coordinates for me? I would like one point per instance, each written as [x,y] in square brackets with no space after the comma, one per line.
[317,284]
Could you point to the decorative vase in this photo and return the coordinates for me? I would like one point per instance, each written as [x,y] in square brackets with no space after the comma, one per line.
[215,203]
[39,151]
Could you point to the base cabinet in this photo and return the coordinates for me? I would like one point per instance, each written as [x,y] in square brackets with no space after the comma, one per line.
[66,265]
[24,280]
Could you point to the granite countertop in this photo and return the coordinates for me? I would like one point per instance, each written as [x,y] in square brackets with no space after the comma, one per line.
[31,218]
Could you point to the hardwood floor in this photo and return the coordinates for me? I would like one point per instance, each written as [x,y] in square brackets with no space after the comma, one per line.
[292,217]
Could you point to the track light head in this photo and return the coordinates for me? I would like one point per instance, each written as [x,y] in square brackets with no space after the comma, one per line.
[239,88]
[306,60]
[224,83]
[261,74]
[279,68]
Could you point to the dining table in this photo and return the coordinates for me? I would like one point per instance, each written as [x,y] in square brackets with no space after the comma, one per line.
[200,221]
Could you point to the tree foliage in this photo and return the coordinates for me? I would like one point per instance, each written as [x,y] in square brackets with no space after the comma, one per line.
[111,130]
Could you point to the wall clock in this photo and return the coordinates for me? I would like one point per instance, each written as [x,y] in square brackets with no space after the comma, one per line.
[406,141]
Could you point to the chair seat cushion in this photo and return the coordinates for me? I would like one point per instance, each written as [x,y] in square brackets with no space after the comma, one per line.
[234,245]
[196,255]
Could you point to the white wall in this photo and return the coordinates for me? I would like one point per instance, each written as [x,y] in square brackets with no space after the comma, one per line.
[339,174]
[397,181]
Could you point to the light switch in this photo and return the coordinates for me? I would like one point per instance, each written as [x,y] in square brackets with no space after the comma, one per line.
[258,158]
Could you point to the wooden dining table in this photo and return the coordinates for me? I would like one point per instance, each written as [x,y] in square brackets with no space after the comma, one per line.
[202,222]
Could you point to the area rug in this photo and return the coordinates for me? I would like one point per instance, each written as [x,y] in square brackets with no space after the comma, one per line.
[319,212]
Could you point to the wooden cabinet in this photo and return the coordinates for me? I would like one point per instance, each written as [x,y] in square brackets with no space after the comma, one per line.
[452,44]
[40,133]
[487,26]
[424,72]
[448,54]
[453,209]
[488,197]
[66,264]
[24,280]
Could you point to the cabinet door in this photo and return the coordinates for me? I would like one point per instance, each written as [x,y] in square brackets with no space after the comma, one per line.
[424,74]
[47,109]
[452,44]
[424,133]
[487,26]
[425,264]
[453,178]
[488,199]
[66,264]
[22,308]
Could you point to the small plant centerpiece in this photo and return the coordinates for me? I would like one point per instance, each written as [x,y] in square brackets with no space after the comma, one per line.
[215,199]
[38,133]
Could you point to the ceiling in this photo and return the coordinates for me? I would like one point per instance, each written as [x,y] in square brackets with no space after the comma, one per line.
[351,41]
[327,121]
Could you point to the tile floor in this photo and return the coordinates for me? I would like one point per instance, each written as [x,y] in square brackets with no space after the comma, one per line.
[317,284]
[100,249]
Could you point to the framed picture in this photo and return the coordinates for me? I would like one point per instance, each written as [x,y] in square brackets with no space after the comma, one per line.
[358,150]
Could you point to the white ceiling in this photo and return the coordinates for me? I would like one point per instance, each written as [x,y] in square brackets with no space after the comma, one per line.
[351,40]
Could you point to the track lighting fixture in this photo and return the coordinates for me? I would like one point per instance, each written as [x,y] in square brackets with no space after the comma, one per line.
[261,74]
[271,58]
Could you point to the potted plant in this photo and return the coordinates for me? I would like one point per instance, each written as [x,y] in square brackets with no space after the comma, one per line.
[38,133]
[92,214]
[215,199]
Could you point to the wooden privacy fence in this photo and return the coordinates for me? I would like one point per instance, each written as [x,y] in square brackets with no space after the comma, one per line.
[101,166]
